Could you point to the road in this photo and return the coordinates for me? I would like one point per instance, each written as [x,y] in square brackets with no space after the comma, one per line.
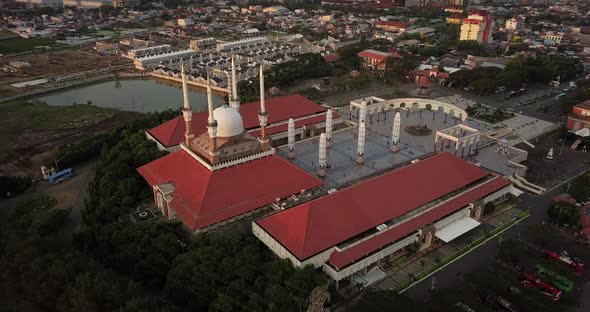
[474,260]
[69,194]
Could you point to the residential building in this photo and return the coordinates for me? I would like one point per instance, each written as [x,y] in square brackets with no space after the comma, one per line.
[515,23]
[579,118]
[478,26]
[125,3]
[374,59]
[391,26]
[455,19]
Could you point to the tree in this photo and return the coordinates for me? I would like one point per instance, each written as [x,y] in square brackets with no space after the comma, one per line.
[488,208]
[564,213]
[579,187]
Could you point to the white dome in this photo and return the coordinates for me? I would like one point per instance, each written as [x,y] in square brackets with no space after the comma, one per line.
[229,121]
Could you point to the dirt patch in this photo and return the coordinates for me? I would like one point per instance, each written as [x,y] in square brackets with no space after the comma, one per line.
[56,64]
[33,148]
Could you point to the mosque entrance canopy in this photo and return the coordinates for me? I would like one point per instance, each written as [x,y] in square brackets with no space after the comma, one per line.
[456,229]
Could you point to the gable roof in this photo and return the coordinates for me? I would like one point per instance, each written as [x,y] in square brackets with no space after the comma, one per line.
[341,258]
[280,108]
[374,54]
[203,197]
[317,225]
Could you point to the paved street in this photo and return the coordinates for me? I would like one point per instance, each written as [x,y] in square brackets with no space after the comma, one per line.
[482,256]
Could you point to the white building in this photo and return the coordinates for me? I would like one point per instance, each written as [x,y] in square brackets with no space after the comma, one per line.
[183,22]
[225,46]
[276,9]
[478,26]
[515,23]
[152,61]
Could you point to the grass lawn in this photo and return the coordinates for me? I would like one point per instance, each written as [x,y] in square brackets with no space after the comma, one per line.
[17,45]
[16,117]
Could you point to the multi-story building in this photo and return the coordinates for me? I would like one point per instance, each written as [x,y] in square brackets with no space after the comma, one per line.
[391,26]
[478,27]
[374,59]
[515,23]
[579,118]
[453,8]
[125,3]
[150,62]
[203,45]
[552,38]
[454,19]
[183,22]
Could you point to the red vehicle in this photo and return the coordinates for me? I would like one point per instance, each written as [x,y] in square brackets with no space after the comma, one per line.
[563,257]
[529,280]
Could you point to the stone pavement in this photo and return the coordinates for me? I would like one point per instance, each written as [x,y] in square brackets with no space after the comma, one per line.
[401,275]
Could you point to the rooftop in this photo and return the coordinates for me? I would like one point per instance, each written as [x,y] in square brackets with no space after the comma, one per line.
[202,197]
[327,221]
[280,109]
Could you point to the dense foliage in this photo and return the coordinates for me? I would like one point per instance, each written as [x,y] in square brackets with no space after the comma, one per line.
[11,186]
[519,71]
[42,273]
[235,274]
[307,65]
[580,187]
[117,186]
[564,213]
[90,148]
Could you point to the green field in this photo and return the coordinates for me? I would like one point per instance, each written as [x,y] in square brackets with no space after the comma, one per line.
[18,117]
[17,45]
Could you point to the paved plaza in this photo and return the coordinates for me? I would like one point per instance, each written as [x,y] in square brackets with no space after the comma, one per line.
[341,156]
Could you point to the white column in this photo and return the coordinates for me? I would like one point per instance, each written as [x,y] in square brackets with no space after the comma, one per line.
[234,101]
[291,138]
[322,160]
[262,113]
[363,111]
[211,122]
[261,78]
[329,128]
[184,88]
[395,132]
[396,128]
[360,151]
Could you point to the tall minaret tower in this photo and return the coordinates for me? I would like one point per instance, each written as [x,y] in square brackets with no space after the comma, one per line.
[187,111]
[360,151]
[329,128]
[262,113]
[211,122]
[322,156]
[291,138]
[395,132]
[234,100]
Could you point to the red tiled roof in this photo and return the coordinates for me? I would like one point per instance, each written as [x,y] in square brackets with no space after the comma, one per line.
[319,224]
[564,198]
[332,57]
[279,109]
[371,55]
[203,197]
[342,258]
[298,124]
[392,24]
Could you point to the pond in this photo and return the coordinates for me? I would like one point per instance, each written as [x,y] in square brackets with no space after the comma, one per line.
[131,95]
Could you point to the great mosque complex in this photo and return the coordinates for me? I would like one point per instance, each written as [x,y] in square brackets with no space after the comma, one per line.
[339,189]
